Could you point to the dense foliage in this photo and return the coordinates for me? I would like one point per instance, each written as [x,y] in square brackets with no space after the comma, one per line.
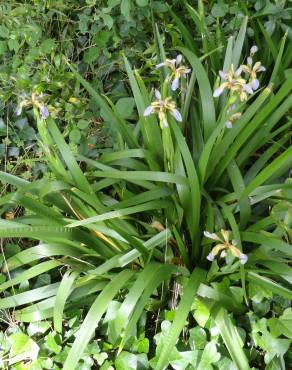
[146,202]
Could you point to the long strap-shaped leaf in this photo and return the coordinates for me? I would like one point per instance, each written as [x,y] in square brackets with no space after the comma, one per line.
[150,130]
[238,186]
[30,296]
[132,297]
[92,318]
[76,173]
[269,284]
[195,201]
[43,251]
[62,294]
[278,166]
[123,212]
[163,273]
[239,43]
[12,229]
[143,175]
[268,240]
[231,338]
[181,315]
[208,109]
[30,273]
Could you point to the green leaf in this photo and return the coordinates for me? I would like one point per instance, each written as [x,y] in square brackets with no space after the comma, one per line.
[126,8]
[150,129]
[38,327]
[91,55]
[239,43]
[126,361]
[231,338]
[3,47]
[63,292]
[13,45]
[75,135]
[4,32]
[125,107]
[93,317]
[104,105]
[47,46]
[22,348]
[198,338]
[142,3]
[206,96]
[108,20]
[282,325]
[51,343]
[182,312]
[219,11]
[210,355]
[269,284]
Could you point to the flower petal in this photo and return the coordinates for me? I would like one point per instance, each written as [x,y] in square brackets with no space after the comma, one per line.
[223,75]
[209,235]
[243,258]
[176,114]
[44,112]
[218,92]
[255,84]
[261,69]
[18,110]
[210,257]
[249,61]
[157,94]
[178,59]
[223,254]
[253,49]
[164,123]
[148,111]
[160,65]
[248,89]
[175,84]
[238,72]
[228,124]
[226,235]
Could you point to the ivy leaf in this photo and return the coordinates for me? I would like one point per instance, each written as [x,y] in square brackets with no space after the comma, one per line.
[83,23]
[91,55]
[283,325]
[126,8]
[274,347]
[125,361]
[108,20]
[202,312]
[142,2]
[22,348]
[209,356]
[219,11]
[198,338]
[13,45]
[3,47]
[185,358]
[125,107]
[47,46]
[75,135]
[102,38]
[4,32]
[52,344]
[38,327]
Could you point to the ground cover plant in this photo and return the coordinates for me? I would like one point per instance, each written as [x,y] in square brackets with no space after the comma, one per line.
[173,248]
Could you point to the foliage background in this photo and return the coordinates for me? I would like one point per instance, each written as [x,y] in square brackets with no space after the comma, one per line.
[93,37]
